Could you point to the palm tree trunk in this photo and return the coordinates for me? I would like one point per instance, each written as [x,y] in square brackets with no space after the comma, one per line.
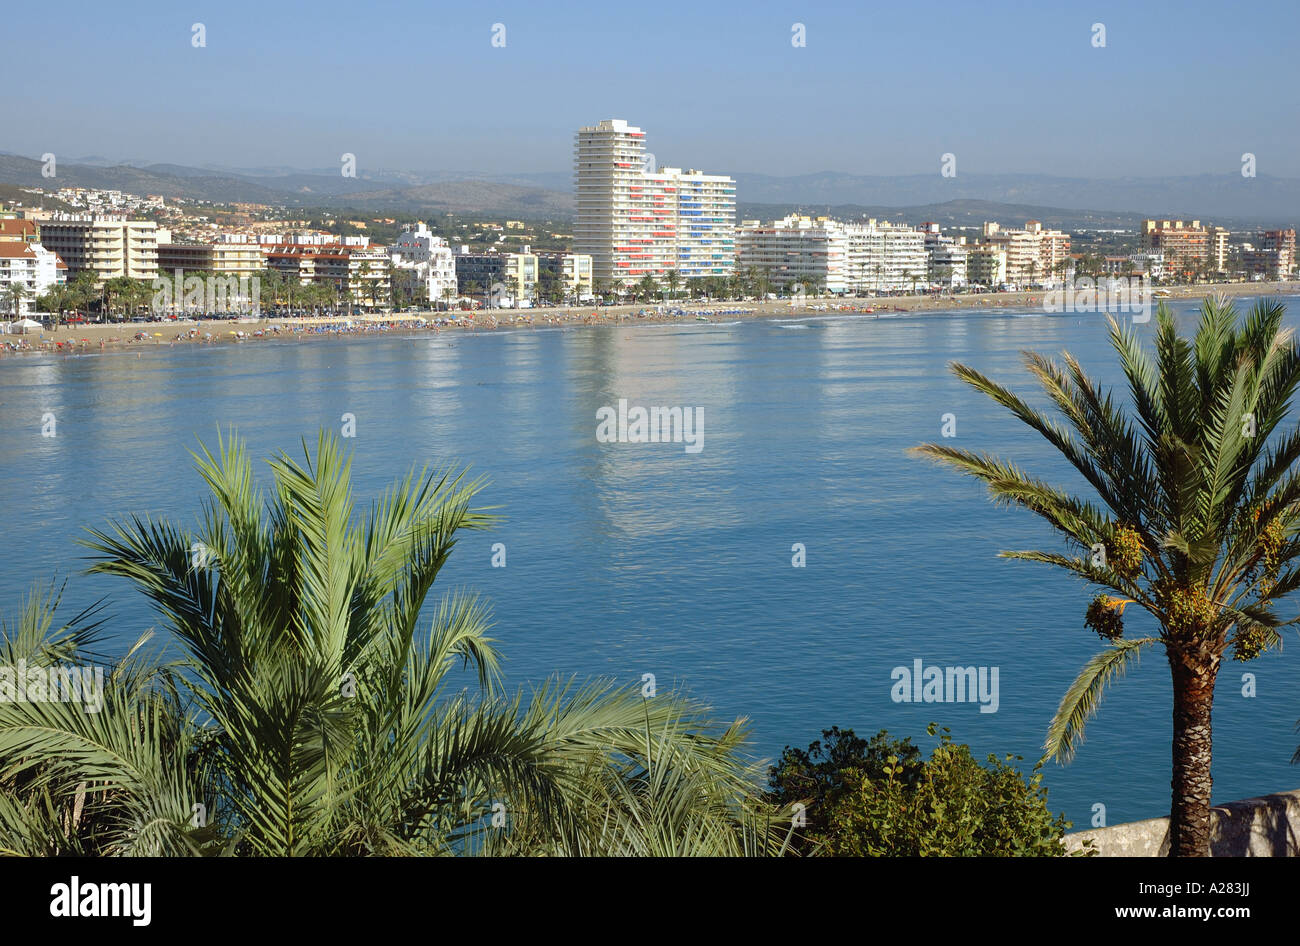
[1194,670]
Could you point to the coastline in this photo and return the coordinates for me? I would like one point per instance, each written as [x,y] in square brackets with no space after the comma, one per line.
[123,337]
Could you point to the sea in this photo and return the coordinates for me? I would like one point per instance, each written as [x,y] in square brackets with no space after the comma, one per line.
[786,571]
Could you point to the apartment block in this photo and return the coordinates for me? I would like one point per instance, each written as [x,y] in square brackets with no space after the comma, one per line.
[220,259]
[795,250]
[107,246]
[521,273]
[31,266]
[634,219]
[423,264]
[871,257]
[1034,255]
[572,272]
[946,264]
[359,273]
[478,272]
[1189,249]
[986,264]
[884,257]
[1274,254]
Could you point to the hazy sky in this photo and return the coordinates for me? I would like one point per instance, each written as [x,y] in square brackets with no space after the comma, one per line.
[1181,87]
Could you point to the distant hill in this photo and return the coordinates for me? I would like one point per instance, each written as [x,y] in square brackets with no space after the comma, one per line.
[1216,198]
[954,213]
[1229,200]
[297,189]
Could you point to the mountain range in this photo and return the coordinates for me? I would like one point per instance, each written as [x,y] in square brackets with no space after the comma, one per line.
[1228,200]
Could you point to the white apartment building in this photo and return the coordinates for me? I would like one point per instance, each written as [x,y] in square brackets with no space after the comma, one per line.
[109,246]
[423,264]
[884,257]
[31,266]
[795,251]
[634,219]
[1034,255]
[857,258]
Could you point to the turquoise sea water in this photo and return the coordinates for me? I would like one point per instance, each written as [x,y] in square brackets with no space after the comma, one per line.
[625,559]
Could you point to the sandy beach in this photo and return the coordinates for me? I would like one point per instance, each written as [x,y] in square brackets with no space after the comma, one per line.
[126,336]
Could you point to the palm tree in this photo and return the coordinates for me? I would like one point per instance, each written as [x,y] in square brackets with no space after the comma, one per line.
[15,298]
[673,280]
[1198,522]
[312,715]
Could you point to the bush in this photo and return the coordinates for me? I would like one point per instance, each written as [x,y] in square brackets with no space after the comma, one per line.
[881,798]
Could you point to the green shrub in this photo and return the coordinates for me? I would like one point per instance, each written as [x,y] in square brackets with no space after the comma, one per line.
[881,798]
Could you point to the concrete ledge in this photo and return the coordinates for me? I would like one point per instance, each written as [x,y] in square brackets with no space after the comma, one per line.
[1268,826]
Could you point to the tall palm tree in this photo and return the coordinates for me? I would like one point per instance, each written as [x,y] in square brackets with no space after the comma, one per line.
[15,297]
[312,714]
[1199,515]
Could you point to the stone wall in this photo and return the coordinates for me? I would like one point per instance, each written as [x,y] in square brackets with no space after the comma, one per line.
[1268,826]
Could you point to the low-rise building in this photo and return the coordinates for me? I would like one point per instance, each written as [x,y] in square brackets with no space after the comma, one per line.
[222,259]
[31,266]
[358,274]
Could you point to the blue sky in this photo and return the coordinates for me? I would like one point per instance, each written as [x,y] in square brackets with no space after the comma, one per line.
[881,88]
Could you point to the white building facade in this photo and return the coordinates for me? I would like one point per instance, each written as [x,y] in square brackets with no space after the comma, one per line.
[423,264]
[31,266]
[795,251]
